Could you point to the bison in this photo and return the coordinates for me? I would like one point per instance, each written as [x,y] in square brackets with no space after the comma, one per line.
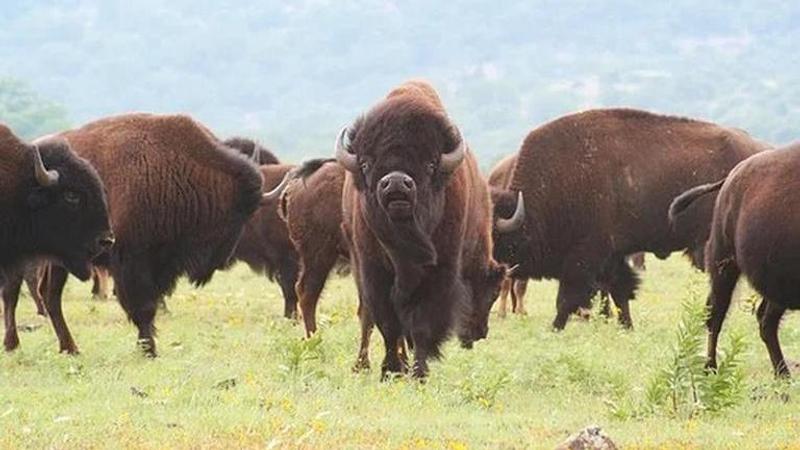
[52,205]
[418,220]
[265,245]
[597,186]
[753,233]
[311,206]
[500,178]
[178,198]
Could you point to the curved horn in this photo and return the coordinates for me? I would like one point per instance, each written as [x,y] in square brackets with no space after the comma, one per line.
[516,221]
[255,157]
[44,177]
[348,160]
[278,190]
[450,161]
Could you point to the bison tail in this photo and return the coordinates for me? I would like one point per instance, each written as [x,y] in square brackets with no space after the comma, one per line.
[307,168]
[685,200]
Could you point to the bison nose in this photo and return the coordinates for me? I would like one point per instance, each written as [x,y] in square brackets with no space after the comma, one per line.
[397,182]
[105,242]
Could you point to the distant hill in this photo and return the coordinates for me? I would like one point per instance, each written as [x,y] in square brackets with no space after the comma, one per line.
[291,73]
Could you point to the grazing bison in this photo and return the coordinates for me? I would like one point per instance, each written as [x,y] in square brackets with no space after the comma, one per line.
[52,205]
[755,232]
[178,200]
[597,186]
[417,217]
[265,245]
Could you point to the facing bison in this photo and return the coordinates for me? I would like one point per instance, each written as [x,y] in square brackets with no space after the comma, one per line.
[597,186]
[410,200]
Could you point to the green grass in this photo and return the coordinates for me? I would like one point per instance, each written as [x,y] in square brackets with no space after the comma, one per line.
[233,373]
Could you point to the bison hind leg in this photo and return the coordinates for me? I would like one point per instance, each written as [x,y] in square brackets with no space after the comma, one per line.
[140,295]
[769,322]
[622,282]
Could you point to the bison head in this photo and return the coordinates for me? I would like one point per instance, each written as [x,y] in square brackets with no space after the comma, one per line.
[401,155]
[475,325]
[68,207]
[508,230]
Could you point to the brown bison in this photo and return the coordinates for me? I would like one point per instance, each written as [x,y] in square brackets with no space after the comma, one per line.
[753,232]
[311,206]
[265,245]
[597,186]
[178,200]
[417,217]
[500,178]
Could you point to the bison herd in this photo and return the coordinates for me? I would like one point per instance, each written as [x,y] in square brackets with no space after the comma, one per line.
[430,242]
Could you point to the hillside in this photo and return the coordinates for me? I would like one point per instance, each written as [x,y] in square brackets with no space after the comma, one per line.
[291,73]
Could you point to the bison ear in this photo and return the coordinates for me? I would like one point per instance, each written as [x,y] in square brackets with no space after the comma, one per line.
[38,198]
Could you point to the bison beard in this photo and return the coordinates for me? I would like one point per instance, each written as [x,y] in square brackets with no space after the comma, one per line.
[407,199]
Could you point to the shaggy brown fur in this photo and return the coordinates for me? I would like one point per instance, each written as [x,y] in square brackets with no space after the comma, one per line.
[179,199]
[265,244]
[66,222]
[500,177]
[597,186]
[413,264]
[311,207]
[28,210]
[755,232]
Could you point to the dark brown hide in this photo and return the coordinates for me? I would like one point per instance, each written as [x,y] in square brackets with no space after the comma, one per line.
[178,199]
[500,177]
[408,221]
[265,244]
[312,210]
[755,232]
[597,186]
[58,212]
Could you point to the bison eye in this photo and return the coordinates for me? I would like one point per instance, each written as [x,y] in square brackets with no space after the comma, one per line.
[72,198]
[364,166]
[431,167]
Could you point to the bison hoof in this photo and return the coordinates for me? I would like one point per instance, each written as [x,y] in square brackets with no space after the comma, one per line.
[11,344]
[148,347]
[70,350]
[361,365]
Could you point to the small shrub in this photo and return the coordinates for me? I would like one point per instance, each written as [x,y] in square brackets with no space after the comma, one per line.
[483,389]
[684,387]
[298,356]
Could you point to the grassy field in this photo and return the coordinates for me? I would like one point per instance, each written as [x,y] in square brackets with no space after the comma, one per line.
[233,373]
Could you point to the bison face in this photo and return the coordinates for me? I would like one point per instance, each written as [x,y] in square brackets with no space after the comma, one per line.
[69,213]
[484,294]
[401,155]
[508,230]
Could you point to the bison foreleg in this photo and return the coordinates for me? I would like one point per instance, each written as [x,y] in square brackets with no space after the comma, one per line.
[54,289]
[10,298]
